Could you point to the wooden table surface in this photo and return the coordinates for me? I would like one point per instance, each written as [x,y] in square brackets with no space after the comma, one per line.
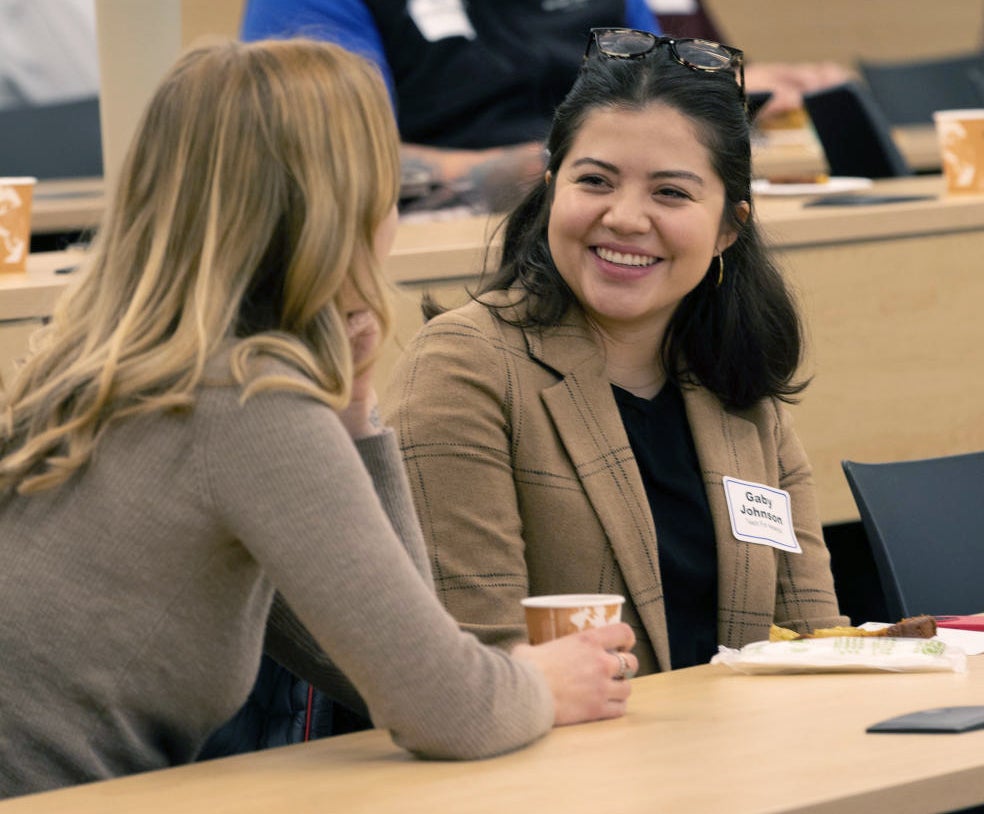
[891,298]
[71,205]
[920,146]
[698,740]
[32,295]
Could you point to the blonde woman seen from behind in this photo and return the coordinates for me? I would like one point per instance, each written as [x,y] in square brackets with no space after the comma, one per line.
[196,430]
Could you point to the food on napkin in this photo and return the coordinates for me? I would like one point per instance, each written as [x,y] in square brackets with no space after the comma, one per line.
[844,654]
[913,627]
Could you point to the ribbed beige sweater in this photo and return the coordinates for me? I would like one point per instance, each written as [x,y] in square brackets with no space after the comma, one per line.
[133,599]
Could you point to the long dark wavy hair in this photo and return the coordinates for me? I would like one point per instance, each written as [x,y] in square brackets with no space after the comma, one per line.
[742,340]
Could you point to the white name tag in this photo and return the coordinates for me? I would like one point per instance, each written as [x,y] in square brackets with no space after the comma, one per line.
[761,514]
[672,6]
[438,19]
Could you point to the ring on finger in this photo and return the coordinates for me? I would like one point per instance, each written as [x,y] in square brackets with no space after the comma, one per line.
[623,667]
[625,671]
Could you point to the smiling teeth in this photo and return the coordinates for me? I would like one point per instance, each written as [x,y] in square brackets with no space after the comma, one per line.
[624,259]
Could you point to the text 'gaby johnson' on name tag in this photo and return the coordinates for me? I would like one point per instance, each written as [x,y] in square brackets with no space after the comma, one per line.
[761,514]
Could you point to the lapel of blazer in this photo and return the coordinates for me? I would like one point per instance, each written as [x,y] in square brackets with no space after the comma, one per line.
[586,417]
[728,444]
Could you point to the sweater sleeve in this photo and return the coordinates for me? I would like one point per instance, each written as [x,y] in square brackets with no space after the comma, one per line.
[287,640]
[381,456]
[285,478]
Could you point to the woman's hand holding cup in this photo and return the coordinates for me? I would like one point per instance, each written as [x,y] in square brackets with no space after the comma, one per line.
[586,670]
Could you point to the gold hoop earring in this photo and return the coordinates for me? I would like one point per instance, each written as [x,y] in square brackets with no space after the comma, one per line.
[720,269]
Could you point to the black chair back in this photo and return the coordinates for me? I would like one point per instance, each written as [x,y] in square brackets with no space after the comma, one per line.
[855,135]
[52,141]
[925,523]
[909,92]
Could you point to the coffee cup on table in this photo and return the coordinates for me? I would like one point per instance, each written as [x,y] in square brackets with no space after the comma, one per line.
[16,195]
[961,138]
[550,617]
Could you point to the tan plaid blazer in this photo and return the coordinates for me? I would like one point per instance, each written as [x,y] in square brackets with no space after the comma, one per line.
[525,484]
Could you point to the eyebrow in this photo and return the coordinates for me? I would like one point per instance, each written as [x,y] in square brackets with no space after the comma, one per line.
[658,175]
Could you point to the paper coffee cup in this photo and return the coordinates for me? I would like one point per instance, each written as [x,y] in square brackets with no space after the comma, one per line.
[550,617]
[15,222]
[961,138]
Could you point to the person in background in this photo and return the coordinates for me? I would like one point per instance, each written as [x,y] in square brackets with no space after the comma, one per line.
[785,81]
[612,401]
[474,85]
[48,52]
[197,429]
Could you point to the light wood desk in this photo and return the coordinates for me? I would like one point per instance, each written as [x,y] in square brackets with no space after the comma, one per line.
[71,205]
[891,294]
[26,300]
[787,153]
[892,298]
[32,295]
[920,145]
[697,740]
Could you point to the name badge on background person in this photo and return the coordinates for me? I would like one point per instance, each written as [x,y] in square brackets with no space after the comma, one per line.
[672,6]
[761,514]
[439,19]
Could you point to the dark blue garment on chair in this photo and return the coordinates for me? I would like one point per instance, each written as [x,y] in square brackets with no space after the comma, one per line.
[281,709]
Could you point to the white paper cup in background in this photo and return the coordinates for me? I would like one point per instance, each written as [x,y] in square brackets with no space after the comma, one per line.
[550,617]
[961,138]
[16,195]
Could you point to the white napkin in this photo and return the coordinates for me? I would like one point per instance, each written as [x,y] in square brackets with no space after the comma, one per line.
[970,641]
[840,654]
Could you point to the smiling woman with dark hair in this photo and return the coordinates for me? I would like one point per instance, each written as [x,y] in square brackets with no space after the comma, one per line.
[595,419]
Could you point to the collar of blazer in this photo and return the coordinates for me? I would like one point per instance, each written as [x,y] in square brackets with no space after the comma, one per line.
[564,347]
[728,442]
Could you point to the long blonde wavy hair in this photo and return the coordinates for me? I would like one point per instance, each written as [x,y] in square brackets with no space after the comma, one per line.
[247,205]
